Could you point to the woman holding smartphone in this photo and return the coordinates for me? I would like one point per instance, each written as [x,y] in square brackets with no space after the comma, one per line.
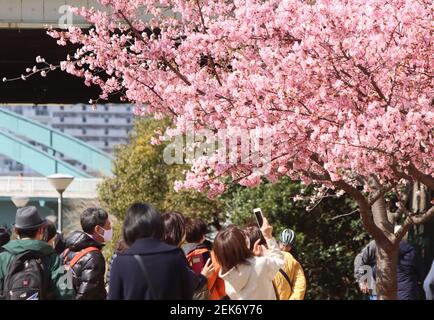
[247,275]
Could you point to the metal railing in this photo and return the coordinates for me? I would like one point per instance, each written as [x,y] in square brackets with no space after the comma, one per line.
[40,187]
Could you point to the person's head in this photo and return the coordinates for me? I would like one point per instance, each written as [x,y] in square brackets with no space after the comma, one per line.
[253,233]
[287,240]
[142,221]
[96,222]
[174,228]
[5,236]
[50,235]
[230,248]
[195,230]
[29,224]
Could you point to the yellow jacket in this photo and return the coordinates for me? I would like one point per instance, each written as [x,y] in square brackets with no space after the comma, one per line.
[297,288]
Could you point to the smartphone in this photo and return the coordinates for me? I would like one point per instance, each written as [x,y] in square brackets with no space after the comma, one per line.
[259,217]
[206,256]
[260,220]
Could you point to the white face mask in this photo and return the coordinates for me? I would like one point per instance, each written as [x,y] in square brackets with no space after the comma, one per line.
[107,235]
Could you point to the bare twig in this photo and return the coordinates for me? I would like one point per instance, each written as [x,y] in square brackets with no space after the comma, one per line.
[344,215]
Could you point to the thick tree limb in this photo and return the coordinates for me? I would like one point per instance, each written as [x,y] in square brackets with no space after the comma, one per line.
[378,208]
[365,212]
[421,177]
[411,220]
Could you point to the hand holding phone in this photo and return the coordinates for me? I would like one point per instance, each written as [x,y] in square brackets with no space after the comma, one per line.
[259,217]
[263,225]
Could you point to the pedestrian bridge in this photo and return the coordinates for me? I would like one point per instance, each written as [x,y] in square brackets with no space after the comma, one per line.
[53,143]
[36,187]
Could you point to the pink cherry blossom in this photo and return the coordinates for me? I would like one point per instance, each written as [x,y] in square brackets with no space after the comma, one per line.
[347,84]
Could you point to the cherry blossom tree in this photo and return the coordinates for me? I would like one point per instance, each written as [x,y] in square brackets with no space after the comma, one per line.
[345,85]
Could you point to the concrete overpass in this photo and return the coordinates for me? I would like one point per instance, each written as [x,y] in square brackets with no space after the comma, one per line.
[23,26]
[36,187]
[24,14]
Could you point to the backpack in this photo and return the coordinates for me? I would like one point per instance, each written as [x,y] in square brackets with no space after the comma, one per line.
[197,259]
[27,278]
[215,288]
[69,267]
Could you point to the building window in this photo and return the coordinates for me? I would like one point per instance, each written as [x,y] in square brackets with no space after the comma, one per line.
[106,108]
[106,131]
[62,119]
[106,120]
[128,120]
[84,119]
[106,143]
[62,108]
[84,108]
[84,131]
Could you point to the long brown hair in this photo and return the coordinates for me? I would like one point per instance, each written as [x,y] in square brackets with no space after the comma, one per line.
[230,248]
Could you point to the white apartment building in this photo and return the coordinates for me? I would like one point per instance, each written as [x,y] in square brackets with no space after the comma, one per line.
[103,126]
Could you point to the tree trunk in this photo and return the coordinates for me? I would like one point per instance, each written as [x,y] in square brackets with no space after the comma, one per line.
[386,277]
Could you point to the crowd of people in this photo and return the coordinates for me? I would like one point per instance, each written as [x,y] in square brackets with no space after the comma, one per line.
[160,256]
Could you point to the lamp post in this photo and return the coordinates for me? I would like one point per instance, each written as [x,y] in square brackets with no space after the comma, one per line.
[60,182]
[20,202]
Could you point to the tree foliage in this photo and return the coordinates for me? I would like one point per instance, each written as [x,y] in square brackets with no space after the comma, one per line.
[140,174]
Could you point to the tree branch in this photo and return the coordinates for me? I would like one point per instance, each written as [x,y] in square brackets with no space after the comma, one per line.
[411,220]
[420,176]
[374,84]
[365,211]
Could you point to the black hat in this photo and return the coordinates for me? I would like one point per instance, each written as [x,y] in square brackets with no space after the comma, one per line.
[28,218]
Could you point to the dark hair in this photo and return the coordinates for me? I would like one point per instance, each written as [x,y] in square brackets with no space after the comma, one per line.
[252,232]
[27,233]
[92,217]
[230,248]
[50,230]
[195,229]
[5,236]
[174,227]
[142,221]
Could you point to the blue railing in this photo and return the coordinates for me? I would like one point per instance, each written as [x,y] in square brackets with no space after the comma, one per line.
[35,158]
[57,141]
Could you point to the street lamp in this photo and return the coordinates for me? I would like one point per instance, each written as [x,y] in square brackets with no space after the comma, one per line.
[20,202]
[60,182]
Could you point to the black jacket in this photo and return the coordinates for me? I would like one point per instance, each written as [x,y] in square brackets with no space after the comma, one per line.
[89,270]
[168,271]
[410,273]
